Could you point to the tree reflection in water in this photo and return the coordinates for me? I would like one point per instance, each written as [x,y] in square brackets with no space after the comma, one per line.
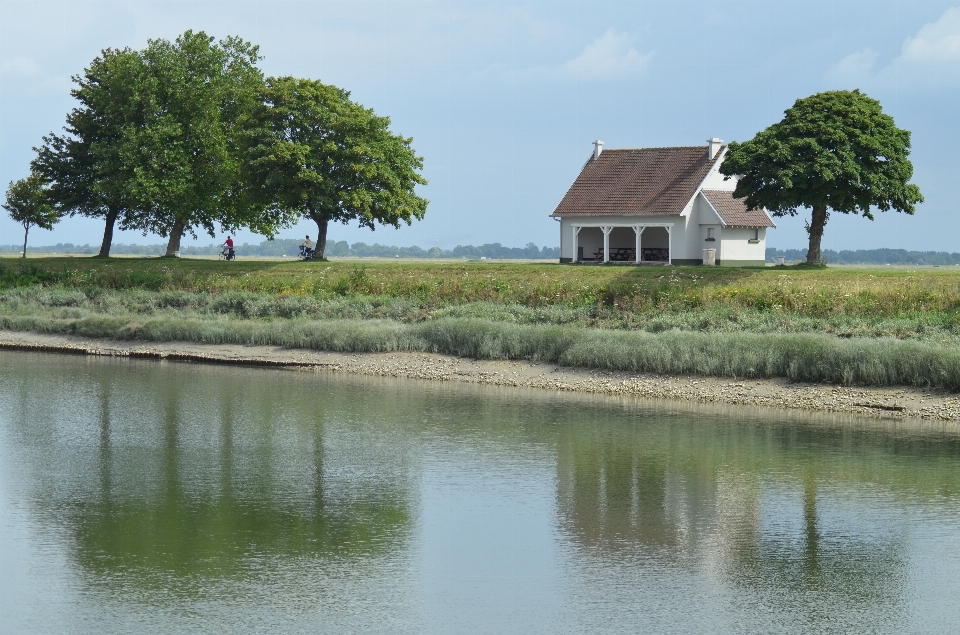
[199,489]
[743,505]
[187,484]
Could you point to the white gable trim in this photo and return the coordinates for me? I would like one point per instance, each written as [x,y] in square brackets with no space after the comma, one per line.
[719,217]
[716,162]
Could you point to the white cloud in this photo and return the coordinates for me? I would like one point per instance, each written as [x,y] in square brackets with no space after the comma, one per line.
[19,66]
[611,56]
[937,43]
[854,67]
[929,59]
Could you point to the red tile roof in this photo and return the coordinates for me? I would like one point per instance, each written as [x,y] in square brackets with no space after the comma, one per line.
[734,211]
[647,181]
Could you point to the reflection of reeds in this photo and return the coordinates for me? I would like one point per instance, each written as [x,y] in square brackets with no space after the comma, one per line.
[801,357]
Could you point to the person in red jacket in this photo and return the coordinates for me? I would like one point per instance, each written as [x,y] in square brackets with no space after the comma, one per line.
[228,243]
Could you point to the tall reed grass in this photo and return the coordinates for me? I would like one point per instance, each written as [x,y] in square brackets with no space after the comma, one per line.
[802,357]
[60,302]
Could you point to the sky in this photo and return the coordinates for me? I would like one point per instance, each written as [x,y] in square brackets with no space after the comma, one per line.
[504,99]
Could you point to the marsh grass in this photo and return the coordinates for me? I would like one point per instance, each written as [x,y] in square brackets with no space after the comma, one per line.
[71,303]
[799,357]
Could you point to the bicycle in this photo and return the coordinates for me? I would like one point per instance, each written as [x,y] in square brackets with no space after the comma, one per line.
[227,254]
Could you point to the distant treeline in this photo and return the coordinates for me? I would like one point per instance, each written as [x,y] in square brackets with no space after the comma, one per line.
[290,248]
[869,256]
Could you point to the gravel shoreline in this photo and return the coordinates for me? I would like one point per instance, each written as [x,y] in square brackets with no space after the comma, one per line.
[892,402]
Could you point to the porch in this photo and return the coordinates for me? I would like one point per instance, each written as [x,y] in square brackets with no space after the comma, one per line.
[642,242]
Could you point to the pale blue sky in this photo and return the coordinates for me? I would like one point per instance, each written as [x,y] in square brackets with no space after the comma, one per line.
[503,99]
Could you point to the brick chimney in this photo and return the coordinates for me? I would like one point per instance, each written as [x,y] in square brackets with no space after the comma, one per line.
[597,148]
[715,144]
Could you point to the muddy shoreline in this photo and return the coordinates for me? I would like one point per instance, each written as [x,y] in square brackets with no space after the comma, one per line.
[892,402]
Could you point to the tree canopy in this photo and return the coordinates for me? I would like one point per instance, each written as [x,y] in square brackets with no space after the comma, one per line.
[155,141]
[204,92]
[317,154]
[93,168]
[187,136]
[834,150]
[28,203]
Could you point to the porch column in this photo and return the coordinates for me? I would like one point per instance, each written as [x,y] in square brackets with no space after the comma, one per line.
[606,242]
[576,233]
[669,244]
[638,230]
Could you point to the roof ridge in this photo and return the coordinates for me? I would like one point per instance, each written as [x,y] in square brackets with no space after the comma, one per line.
[657,148]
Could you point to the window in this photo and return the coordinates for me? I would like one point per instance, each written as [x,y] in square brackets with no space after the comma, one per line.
[754,236]
[710,233]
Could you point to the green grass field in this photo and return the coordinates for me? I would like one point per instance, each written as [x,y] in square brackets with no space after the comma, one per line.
[860,292]
[864,324]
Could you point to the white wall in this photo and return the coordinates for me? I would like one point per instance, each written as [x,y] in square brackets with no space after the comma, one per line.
[735,245]
[703,217]
[732,243]
[715,181]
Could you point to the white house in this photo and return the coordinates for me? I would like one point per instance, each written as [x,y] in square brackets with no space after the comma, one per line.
[659,205]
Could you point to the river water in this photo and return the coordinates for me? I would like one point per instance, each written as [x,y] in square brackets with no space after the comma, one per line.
[141,496]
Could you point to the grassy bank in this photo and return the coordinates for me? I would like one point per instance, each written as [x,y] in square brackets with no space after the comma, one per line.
[799,357]
[851,326]
[57,302]
[638,290]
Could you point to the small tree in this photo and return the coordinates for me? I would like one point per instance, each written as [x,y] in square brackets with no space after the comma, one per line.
[317,154]
[834,151]
[28,203]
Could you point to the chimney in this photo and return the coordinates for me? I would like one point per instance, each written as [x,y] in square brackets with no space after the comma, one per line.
[715,144]
[597,148]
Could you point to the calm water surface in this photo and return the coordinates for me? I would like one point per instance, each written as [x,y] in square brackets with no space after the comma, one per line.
[144,497]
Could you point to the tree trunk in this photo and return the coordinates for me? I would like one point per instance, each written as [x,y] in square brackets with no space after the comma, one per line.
[322,221]
[26,230]
[176,233]
[812,556]
[110,221]
[817,223]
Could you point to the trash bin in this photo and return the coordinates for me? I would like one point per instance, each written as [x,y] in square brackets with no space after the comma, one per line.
[780,260]
[176,254]
[710,257]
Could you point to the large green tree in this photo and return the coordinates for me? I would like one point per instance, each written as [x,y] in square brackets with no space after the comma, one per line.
[205,91]
[93,168]
[315,153]
[833,151]
[28,203]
